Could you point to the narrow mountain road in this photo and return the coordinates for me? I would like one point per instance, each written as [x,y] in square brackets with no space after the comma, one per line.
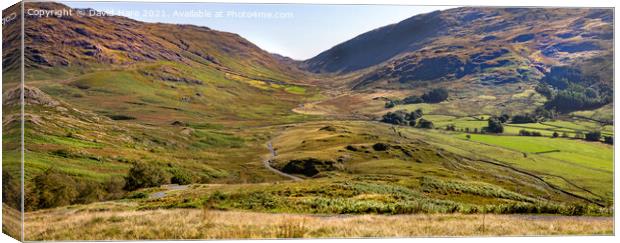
[168,188]
[267,163]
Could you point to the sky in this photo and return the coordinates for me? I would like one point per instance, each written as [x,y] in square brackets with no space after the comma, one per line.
[299,31]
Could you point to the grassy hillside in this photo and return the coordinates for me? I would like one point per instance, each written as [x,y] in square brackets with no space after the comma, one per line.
[117,110]
[413,171]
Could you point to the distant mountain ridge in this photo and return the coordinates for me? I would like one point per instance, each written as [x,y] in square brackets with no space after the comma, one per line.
[90,41]
[499,45]
[487,46]
[377,45]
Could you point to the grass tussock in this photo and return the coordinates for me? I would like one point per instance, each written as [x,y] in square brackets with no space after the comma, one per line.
[369,197]
[214,224]
[11,221]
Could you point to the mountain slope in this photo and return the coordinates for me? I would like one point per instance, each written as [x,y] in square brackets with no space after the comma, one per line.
[74,41]
[492,45]
[378,45]
[158,73]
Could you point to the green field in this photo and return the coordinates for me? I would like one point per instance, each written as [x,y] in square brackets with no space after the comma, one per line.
[590,155]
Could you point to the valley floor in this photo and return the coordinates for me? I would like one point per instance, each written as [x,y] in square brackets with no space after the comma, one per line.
[96,223]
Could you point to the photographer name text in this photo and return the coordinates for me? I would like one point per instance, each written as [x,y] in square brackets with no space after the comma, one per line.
[156,13]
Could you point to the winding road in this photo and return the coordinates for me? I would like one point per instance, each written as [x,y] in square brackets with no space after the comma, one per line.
[267,163]
[168,188]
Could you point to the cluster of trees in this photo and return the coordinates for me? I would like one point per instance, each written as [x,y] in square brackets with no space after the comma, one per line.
[524,118]
[143,175]
[524,132]
[405,118]
[433,96]
[494,125]
[54,188]
[540,114]
[593,136]
[423,123]
[569,100]
[567,90]
[454,128]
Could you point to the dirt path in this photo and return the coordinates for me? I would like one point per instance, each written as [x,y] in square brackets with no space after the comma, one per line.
[267,163]
[168,188]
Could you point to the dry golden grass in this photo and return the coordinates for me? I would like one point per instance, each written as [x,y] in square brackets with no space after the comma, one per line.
[74,224]
[11,221]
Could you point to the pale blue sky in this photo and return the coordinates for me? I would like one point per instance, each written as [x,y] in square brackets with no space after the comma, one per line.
[301,32]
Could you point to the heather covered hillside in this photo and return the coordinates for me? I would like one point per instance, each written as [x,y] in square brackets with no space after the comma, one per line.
[459,113]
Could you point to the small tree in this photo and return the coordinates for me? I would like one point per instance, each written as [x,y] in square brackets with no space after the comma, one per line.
[180,177]
[495,126]
[54,189]
[524,118]
[524,132]
[414,115]
[414,99]
[114,187]
[593,136]
[396,118]
[609,140]
[435,95]
[504,118]
[142,175]
[419,112]
[89,191]
[423,123]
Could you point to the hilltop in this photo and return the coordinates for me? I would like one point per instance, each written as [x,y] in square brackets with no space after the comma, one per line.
[489,45]
[91,41]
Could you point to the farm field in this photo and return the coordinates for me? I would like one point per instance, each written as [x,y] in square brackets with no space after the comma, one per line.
[559,168]
[547,128]
[579,152]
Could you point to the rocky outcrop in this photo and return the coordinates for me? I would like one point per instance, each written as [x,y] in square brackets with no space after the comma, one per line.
[308,167]
[415,68]
[32,96]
